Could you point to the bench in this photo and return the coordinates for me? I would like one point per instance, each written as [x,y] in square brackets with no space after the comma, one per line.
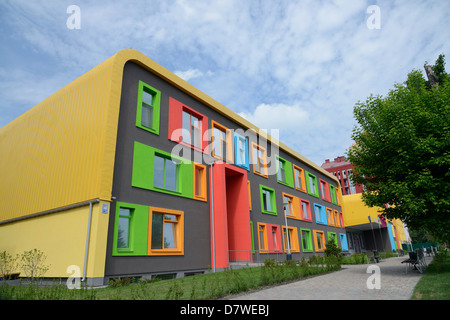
[416,261]
[373,256]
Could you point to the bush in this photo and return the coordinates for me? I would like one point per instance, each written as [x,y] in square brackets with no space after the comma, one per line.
[332,249]
[270,262]
[32,263]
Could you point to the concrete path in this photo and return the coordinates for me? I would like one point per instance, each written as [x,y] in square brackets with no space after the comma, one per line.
[350,283]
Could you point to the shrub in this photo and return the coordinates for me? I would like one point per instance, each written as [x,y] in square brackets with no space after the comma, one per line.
[270,262]
[32,263]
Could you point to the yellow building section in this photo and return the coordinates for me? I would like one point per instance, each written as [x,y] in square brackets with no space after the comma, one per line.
[357,213]
[62,237]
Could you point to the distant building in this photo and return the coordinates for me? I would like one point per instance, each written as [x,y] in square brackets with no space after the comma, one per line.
[366,229]
[343,170]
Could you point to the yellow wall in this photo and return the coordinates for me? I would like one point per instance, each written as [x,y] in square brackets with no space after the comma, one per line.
[54,154]
[356,212]
[62,238]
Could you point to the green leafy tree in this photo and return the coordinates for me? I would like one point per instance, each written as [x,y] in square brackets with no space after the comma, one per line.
[402,152]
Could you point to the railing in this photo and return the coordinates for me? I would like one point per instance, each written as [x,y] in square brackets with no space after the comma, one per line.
[255,256]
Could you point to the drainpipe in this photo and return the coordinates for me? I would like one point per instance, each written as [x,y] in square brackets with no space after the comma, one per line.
[288,257]
[87,239]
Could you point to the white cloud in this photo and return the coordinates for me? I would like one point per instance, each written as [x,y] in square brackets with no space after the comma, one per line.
[278,116]
[277,63]
[192,73]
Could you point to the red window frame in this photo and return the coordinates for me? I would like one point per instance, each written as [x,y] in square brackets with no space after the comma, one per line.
[176,109]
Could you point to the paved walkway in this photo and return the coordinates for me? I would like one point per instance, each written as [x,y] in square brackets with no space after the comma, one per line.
[350,283]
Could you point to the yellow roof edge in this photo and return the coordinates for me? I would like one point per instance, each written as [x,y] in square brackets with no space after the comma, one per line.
[133,55]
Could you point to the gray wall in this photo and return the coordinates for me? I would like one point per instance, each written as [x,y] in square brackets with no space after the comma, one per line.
[197,213]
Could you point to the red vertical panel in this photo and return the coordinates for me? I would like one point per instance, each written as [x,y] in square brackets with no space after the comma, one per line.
[231,215]
[175,120]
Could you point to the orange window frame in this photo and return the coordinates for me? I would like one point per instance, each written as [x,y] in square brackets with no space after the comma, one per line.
[299,174]
[262,229]
[322,237]
[179,250]
[199,189]
[256,161]
[293,205]
[330,216]
[336,218]
[228,142]
[293,242]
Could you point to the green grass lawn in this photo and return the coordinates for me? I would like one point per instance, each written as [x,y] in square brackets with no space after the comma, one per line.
[198,287]
[435,282]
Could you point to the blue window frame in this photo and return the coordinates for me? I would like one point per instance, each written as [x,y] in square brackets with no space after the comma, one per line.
[321,214]
[344,244]
[241,151]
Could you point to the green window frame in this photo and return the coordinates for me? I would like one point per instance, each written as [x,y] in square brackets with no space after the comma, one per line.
[285,174]
[333,195]
[332,235]
[268,200]
[166,173]
[148,108]
[311,184]
[306,239]
[146,159]
[136,217]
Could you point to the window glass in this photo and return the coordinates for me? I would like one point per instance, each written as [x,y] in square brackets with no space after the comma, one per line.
[305,243]
[186,127]
[319,240]
[274,237]
[147,110]
[171,175]
[305,210]
[261,231]
[288,206]
[281,171]
[170,232]
[267,200]
[123,240]
[192,130]
[312,183]
[298,179]
[158,177]
[198,181]
[157,231]
[165,173]
[241,151]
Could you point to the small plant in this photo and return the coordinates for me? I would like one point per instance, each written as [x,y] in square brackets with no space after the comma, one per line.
[8,265]
[120,282]
[270,262]
[332,249]
[32,263]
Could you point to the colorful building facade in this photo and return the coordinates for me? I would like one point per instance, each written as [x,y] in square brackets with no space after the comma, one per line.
[131,171]
[366,229]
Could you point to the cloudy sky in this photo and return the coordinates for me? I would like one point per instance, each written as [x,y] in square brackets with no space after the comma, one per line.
[294,66]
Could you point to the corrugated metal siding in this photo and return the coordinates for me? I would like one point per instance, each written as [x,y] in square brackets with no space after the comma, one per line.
[53,155]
